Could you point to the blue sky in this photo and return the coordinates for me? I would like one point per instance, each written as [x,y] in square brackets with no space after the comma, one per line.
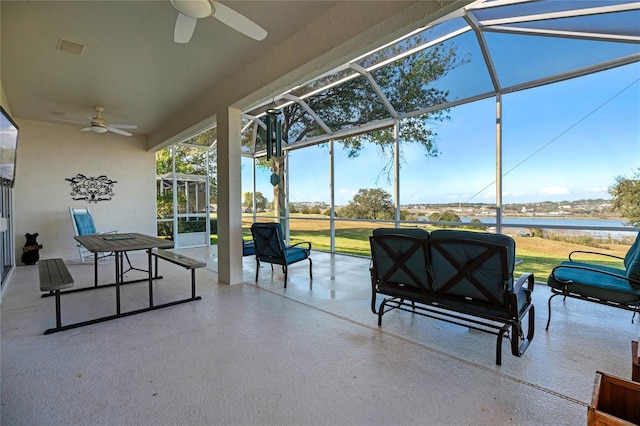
[564,141]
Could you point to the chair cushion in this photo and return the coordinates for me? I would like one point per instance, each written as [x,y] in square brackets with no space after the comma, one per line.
[490,273]
[499,239]
[632,260]
[400,262]
[268,241]
[247,248]
[295,254]
[84,223]
[594,284]
[412,232]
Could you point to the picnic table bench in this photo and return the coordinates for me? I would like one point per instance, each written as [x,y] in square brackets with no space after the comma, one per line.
[181,260]
[54,276]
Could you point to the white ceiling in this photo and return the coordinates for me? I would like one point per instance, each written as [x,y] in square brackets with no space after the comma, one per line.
[132,67]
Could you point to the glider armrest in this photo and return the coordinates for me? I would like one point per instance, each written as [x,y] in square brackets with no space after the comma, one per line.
[527,278]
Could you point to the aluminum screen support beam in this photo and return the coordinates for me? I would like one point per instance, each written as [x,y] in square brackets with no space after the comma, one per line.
[396,170]
[498,163]
[332,198]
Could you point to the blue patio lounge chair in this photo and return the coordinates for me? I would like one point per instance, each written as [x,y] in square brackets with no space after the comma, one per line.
[83,224]
[247,248]
[270,248]
[599,284]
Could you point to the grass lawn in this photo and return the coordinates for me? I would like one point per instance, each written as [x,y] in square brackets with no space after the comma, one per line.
[539,255]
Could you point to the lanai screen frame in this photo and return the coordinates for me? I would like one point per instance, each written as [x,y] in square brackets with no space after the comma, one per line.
[483,18]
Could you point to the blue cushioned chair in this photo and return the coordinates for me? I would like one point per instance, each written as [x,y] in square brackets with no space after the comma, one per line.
[247,248]
[83,224]
[269,247]
[599,284]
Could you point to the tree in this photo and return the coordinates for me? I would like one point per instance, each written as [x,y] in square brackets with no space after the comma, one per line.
[625,194]
[352,103]
[261,201]
[369,204]
[447,216]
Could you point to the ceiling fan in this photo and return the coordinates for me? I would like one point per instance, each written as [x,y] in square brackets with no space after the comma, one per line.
[99,124]
[192,10]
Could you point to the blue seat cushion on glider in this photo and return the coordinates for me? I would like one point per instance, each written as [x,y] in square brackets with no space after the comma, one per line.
[295,254]
[412,232]
[489,273]
[401,283]
[632,260]
[84,223]
[594,284]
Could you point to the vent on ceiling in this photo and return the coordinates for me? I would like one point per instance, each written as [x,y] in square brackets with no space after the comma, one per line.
[70,47]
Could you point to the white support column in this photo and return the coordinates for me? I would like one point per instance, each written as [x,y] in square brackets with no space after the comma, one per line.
[174,186]
[254,206]
[207,204]
[229,197]
[332,198]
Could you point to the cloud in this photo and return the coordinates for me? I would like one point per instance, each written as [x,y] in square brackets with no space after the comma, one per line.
[598,189]
[517,194]
[554,190]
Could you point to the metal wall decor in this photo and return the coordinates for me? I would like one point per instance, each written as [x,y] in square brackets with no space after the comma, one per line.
[91,189]
[274,133]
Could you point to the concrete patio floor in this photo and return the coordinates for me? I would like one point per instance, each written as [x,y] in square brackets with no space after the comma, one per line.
[310,354]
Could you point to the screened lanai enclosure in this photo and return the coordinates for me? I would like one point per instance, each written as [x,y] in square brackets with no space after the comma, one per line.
[504,108]
[185,186]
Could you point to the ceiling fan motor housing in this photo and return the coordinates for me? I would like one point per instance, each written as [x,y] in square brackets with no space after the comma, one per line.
[194,8]
[98,129]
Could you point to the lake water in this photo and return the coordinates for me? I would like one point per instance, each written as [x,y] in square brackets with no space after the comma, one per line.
[565,225]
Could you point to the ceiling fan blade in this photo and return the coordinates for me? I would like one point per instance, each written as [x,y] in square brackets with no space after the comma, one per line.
[185,25]
[238,22]
[86,129]
[118,131]
[60,120]
[123,126]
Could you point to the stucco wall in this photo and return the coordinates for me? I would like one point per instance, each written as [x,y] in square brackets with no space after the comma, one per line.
[49,153]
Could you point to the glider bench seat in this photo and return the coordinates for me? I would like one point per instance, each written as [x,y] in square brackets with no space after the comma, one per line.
[599,284]
[461,277]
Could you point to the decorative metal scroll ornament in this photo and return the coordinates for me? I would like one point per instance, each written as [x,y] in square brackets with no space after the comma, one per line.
[91,189]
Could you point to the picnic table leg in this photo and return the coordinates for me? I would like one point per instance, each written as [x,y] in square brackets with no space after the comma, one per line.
[151,278]
[193,283]
[95,269]
[119,265]
[58,316]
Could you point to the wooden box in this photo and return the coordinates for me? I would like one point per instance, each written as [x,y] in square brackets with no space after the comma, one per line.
[615,401]
[635,362]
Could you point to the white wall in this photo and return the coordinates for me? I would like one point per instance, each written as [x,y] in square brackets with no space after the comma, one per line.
[48,153]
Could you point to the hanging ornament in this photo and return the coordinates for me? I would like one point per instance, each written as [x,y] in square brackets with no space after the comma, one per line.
[274,133]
